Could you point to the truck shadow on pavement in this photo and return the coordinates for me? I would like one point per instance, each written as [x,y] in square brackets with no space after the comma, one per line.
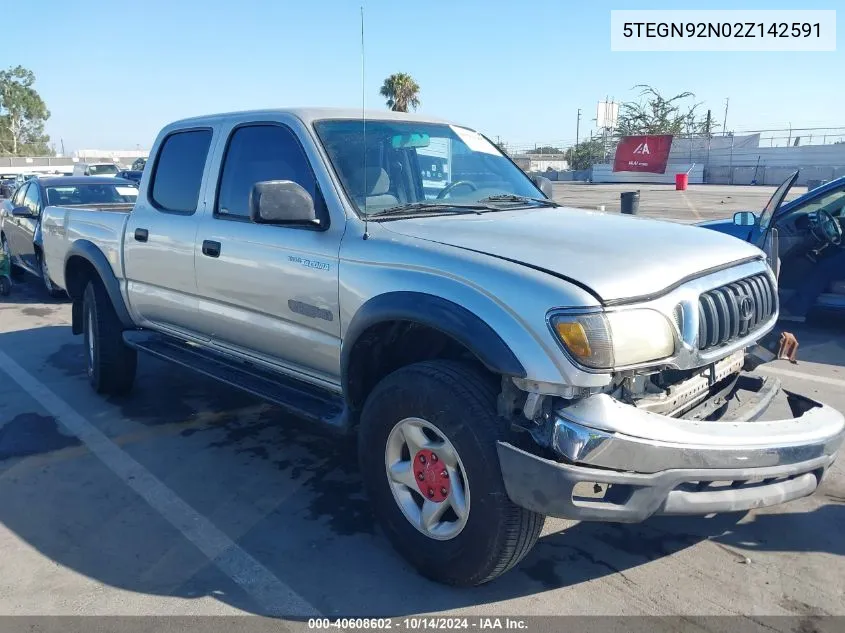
[28,289]
[292,499]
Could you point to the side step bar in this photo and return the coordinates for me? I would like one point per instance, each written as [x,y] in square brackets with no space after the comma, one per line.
[296,397]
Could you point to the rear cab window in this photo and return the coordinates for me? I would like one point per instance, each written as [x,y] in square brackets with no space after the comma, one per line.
[177,175]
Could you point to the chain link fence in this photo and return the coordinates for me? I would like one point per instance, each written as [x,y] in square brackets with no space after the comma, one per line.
[737,157]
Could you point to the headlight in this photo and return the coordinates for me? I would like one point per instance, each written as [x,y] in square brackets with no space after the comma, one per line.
[615,339]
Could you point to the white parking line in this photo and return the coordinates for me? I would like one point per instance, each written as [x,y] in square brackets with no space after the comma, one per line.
[837,382]
[270,594]
[689,205]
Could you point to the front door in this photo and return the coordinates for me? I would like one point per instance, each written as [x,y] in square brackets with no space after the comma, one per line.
[767,239]
[270,291]
[158,251]
[22,229]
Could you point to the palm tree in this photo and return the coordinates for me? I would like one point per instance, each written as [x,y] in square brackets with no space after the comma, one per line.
[401,91]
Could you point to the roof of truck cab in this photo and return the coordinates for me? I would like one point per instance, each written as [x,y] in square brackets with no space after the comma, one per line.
[69,181]
[309,115]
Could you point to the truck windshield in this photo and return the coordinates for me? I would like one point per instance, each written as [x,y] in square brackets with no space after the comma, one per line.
[71,195]
[102,170]
[420,164]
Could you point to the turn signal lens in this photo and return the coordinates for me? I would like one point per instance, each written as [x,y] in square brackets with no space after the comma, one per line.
[575,339]
[586,337]
[615,339]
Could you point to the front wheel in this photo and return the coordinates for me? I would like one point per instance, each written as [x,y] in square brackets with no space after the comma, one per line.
[427,450]
[110,362]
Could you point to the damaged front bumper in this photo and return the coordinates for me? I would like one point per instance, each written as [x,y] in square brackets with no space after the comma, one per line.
[616,462]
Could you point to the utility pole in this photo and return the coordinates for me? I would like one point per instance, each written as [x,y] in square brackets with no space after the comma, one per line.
[577,128]
[63,146]
[725,122]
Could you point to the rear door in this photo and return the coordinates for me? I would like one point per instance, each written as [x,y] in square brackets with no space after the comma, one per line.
[269,291]
[158,251]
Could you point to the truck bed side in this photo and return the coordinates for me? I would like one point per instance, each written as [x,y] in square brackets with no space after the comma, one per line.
[62,227]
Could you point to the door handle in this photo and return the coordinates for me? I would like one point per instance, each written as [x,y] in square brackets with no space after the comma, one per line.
[141,235]
[211,248]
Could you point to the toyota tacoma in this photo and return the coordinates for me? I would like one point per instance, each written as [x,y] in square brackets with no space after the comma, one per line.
[501,358]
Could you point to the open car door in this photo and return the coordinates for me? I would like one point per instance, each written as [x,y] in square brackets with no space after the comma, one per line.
[768,239]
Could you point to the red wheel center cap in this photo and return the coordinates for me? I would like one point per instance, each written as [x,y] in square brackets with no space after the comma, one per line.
[431,475]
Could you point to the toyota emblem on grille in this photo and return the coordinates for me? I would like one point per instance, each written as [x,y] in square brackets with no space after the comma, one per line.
[746,308]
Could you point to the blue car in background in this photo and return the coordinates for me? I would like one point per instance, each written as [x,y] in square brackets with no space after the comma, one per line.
[797,236]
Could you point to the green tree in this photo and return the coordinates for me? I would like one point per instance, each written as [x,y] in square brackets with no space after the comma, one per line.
[656,114]
[401,91]
[585,154]
[545,149]
[22,115]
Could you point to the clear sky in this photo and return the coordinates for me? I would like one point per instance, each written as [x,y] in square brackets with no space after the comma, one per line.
[112,73]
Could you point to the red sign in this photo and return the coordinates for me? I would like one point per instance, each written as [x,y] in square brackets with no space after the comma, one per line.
[643,153]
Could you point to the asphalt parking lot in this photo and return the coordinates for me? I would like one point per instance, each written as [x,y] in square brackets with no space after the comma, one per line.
[191,498]
[697,203]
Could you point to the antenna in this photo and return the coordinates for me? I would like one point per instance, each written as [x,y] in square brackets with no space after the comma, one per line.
[364,126]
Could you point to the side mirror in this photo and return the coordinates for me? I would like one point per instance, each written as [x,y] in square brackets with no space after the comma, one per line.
[21,212]
[281,202]
[745,218]
[544,185]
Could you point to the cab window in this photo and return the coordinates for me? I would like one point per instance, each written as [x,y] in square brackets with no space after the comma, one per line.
[17,200]
[833,202]
[177,177]
[32,199]
[257,153]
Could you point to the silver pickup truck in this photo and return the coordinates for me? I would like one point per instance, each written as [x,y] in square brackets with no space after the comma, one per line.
[501,358]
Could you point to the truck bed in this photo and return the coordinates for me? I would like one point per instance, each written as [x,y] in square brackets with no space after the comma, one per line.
[101,224]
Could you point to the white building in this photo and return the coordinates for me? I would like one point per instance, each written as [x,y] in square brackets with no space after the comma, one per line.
[119,156]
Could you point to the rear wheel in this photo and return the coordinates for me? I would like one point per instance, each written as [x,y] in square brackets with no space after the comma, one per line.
[14,270]
[110,362]
[431,470]
[52,289]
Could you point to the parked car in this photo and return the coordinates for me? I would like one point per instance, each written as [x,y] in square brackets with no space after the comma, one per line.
[130,174]
[7,187]
[800,237]
[20,216]
[95,169]
[138,164]
[501,358]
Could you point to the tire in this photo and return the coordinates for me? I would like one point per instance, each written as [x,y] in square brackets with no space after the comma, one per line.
[52,289]
[111,364]
[459,404]
[15,271]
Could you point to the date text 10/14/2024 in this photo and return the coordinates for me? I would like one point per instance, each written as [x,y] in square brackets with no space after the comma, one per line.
[418,623]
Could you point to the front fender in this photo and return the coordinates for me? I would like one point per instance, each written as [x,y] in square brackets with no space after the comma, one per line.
[454,288]
[440,314]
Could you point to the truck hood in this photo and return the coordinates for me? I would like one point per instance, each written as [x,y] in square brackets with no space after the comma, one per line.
[617,257]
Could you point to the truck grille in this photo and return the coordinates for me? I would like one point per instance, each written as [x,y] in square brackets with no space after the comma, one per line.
[734,310]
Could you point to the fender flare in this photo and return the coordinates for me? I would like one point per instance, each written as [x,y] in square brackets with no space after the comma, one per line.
[91,253]
[440,314]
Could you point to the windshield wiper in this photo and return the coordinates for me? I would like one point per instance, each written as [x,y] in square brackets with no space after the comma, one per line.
[512,197]
[429,206]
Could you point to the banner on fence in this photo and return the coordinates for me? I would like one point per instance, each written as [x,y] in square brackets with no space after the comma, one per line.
[643,153]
